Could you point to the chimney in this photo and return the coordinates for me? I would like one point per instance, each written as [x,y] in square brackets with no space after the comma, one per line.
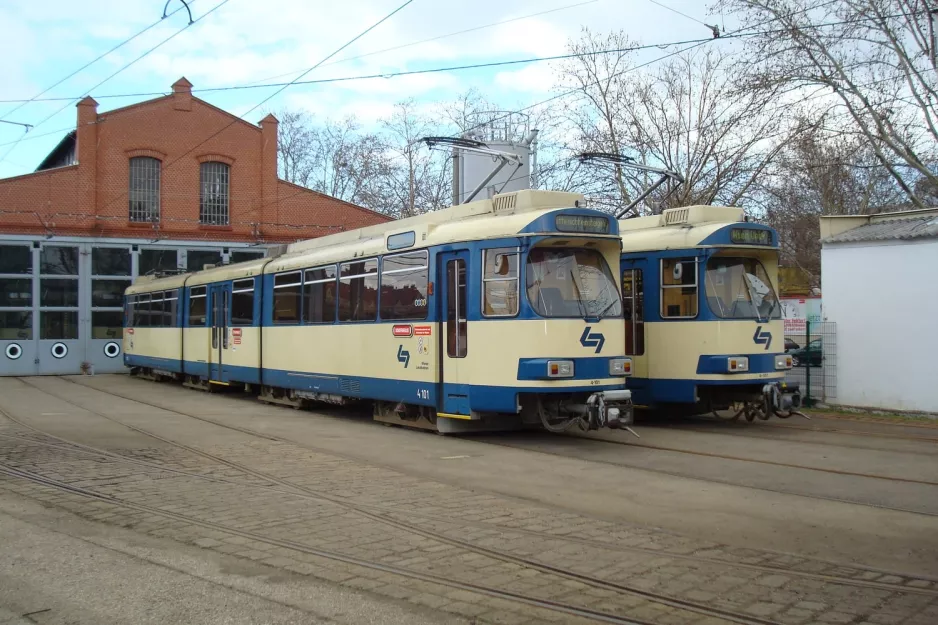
[182,95]
[86,152]
[269,204]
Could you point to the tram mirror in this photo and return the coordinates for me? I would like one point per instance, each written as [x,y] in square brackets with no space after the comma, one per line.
[678,271]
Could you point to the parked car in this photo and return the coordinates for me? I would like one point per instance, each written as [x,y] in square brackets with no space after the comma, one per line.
[790,344]
[811,354]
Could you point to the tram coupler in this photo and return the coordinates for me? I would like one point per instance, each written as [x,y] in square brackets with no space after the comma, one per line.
[783,399]
[612,409]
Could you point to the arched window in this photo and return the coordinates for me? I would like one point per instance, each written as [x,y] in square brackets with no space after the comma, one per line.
[144,189]
[213,198]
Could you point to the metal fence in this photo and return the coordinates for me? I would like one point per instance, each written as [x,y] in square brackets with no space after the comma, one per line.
[813,348]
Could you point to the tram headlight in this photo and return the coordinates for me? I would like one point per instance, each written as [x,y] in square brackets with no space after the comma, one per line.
[620,366]
[560,368]
[783,361]
[737,364]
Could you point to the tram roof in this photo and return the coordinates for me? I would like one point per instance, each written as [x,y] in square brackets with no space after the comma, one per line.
[147,284]
[677,228]
[505,215]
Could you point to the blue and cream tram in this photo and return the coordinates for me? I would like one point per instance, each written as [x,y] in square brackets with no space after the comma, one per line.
[481,316]
[702,318]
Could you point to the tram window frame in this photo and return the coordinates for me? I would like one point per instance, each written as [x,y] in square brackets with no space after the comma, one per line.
[142,311]
[457,308]
[501,251]
[156,312]
[169,316]
[322,296]
[633,311]
[242,299]
[130,301]
[195,319]
[423,280]
[352,311]
[695,286]
[296,295]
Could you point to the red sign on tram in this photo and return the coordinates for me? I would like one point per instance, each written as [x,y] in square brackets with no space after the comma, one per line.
[402,330]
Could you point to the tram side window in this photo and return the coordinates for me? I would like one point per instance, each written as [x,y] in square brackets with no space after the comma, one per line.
[288,289]
[197,306]
[142,311]
[156,310]
[129,302]
[170,307]
[679,288]
[500,282]
[633,299]
[319,288]
[242,302]
[404,279]
[358,290]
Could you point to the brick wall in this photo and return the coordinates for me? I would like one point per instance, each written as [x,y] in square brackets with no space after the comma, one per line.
[91,198]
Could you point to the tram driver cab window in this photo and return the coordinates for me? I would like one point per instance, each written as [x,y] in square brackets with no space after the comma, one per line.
[678,288]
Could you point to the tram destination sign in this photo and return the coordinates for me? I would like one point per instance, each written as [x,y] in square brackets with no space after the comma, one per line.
[751,236]
[582,223]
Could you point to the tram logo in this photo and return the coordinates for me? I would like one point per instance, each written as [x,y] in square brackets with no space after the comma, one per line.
[762,338]
[403,355]
[596,340]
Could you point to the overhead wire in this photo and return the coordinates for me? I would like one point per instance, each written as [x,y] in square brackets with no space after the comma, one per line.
[95,60]
[439,37]
[124,67]
[285,86]
[388,75]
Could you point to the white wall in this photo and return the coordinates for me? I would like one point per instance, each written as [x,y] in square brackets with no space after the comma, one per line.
[884,298]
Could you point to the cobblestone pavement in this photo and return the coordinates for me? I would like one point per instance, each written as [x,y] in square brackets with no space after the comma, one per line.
[413,539]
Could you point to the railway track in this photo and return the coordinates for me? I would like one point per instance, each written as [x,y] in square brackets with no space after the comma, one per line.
[743,429]
[555,606]
[378,512]
[302,491]
[787,465]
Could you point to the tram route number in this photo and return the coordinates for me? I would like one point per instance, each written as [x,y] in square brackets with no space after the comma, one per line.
[423,393]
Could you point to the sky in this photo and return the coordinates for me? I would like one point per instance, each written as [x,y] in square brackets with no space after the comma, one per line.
[245,42]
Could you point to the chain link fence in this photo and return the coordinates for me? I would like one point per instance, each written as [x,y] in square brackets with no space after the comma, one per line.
[813,348]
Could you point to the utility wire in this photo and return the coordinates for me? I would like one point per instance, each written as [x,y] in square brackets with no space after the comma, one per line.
[733,35]
[281,89]
[73,100]
[673,10]
[94,60]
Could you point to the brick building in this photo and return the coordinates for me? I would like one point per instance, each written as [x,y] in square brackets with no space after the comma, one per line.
[168,184]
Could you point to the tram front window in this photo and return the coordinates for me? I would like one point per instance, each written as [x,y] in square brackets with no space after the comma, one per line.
[740,288]
[571,283]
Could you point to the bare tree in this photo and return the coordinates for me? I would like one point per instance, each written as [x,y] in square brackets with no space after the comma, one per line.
[334,158]
[420,178]
[875,60]
[686,115]
[821,173]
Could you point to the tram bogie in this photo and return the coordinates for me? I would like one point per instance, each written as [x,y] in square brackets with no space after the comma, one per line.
[456,320]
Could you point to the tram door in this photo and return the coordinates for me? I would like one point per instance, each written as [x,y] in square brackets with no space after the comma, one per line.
[220,303]
[453,272]
[634,272]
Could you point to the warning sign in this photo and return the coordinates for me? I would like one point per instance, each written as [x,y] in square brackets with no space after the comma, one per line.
[236,336]
[403,330]
[423,330]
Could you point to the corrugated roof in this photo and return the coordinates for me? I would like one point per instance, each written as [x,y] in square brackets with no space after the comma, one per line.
[907,228]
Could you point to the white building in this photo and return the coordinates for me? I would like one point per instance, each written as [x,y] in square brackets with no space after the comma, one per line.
[879,281]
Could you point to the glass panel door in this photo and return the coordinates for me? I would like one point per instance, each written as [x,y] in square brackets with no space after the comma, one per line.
[18,264]
[59,293]
[111,274]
